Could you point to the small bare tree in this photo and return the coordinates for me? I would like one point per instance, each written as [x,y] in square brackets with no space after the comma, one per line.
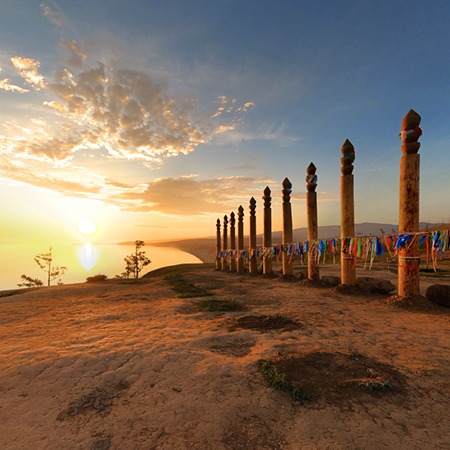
[45,262]
[136,261]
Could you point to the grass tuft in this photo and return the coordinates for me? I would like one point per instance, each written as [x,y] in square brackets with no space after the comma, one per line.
[376,385]
[277,380]
[184,289]
[219,305]
[278,319]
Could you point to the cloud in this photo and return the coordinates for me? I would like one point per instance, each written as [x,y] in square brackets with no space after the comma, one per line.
[75,54]
[28,70]
[190,196]
[102,105]
[101,108]
[230,106]
[7,86]
[52,14]
[186,196]
[263,133]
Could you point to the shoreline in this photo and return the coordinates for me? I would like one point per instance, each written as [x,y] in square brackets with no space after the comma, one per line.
[204,250]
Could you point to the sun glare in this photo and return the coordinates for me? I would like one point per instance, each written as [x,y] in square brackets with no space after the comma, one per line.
[87,227]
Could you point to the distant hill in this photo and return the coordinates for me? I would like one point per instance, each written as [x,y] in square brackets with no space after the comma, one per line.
[205,248]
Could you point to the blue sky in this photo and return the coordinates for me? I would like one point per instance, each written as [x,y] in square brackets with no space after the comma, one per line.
[153,118]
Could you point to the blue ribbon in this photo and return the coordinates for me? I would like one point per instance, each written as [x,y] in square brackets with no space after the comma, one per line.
[403,239]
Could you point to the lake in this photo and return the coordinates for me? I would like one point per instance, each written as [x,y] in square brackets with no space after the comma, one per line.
[82,261]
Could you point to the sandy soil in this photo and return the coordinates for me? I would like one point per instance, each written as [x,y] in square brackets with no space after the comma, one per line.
[118,365]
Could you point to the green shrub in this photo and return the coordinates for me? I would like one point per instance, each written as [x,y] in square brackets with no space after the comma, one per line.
[96,278]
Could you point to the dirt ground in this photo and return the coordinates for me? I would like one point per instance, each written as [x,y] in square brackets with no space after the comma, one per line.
[191,358]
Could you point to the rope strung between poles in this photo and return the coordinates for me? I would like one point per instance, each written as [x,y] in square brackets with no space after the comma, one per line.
[365,248]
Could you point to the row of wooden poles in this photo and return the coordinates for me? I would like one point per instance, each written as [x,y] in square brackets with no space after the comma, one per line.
[409,258]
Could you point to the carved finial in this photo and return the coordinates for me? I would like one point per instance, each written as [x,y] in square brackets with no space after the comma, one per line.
[225,222]
[410,132]
[232,219]
[252,206]
[218,224]
[240,213]
[287,184]
[287,189]
[348,156]
[311,178]
[266,197]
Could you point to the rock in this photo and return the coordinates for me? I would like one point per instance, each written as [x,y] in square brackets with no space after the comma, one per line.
[331,280]
[375,285]
[438,294]
[302,275]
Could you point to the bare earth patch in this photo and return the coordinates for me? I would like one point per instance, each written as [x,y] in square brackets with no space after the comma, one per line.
[264,323]
[191,358]
[340,379]
[99,401]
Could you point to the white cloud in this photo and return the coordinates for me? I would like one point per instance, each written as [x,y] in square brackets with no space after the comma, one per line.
[125,111]
[235,136]
[7,86]
[28,70]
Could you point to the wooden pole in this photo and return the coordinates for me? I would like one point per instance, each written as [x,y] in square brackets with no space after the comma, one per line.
[225,243]
[232,242]
[240,261]
[409,257]
[311,217]
[287,260]
[267,237]
[348,269]
[253,264]
[218,246]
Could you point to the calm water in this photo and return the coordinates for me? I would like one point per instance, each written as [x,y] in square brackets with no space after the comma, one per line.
[82,261]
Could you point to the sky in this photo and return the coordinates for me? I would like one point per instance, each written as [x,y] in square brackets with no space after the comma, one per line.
[151,119]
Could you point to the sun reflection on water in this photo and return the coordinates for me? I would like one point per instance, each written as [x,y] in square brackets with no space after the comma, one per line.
[88,255]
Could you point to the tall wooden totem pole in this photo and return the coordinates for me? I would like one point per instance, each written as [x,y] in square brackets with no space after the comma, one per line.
[253,264]
[311,217]
[240,261]
[348,269]
[287,234]
[218,246]
[233,242]
[409,258]
[267,236]
[225,243]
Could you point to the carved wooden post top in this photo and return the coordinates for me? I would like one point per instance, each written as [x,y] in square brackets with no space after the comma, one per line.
[348,156]
[266,197]
[240,213]
[252,206]
[218,224]
[287,189]
[410,133]
[225,222]
[311,178]
[232,219]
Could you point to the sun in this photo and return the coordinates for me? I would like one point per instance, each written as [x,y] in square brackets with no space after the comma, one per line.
[87,227]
